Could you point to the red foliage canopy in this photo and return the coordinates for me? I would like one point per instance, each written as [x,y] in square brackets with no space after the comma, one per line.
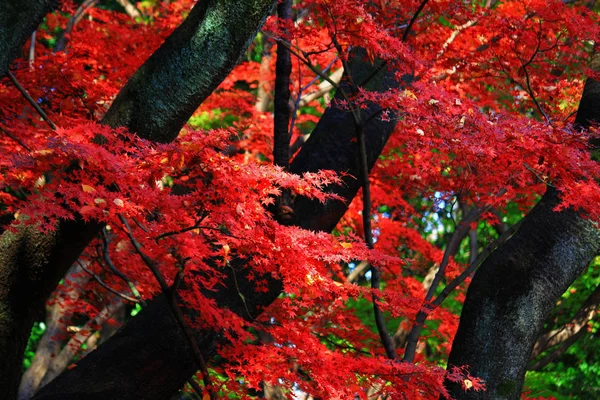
[486,120]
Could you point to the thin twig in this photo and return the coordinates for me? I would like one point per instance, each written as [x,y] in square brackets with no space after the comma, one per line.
[115,270]
[359,124]
[324,88]
[316,70]
[534,98]
[175,309]
[62,41]
[35,105]
[426,308]
[191,228]
[413,19]
[32,49]
[340,346]
[105,286]
[344,60]
[16,139]
[537,174]
[195,387]
[475,264]
[429,306]
[384,335]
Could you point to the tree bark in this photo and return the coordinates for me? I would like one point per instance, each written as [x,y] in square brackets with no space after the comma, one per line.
[282,111]
[159,360]
[18,19]
[155,103]
[162,95]
[515,289]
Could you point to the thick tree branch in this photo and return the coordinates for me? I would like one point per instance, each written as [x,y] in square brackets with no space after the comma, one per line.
[130,9]
[57,317]
[557,352]
[175,80]
[64,38]
[324,88]
[31,264]
[61,360]
[512,294]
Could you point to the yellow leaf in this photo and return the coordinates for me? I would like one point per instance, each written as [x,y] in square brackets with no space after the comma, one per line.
[88,189]
[468,384]
[119,202]
[346,245]
[410,95]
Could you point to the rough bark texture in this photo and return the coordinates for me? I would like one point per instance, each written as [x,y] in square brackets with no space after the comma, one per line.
[167,89]
[513,293]
[516,288]
[155,104]
[18,19]
[154,339]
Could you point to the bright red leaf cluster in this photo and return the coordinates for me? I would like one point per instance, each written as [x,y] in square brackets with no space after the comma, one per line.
[486,120]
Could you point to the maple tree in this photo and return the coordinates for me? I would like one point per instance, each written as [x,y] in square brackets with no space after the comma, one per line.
[143,163]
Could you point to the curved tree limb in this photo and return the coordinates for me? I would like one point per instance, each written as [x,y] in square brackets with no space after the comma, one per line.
[162,95]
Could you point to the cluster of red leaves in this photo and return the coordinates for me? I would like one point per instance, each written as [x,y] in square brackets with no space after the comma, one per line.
[464,128]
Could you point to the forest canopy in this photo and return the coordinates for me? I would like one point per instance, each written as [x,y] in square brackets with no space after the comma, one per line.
[299,199]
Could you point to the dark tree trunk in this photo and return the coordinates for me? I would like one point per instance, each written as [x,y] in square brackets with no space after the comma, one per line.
[282,111]
[514,291]
[18,20]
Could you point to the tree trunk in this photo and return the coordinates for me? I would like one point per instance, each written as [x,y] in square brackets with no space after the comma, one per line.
[515,289]
[18,19]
